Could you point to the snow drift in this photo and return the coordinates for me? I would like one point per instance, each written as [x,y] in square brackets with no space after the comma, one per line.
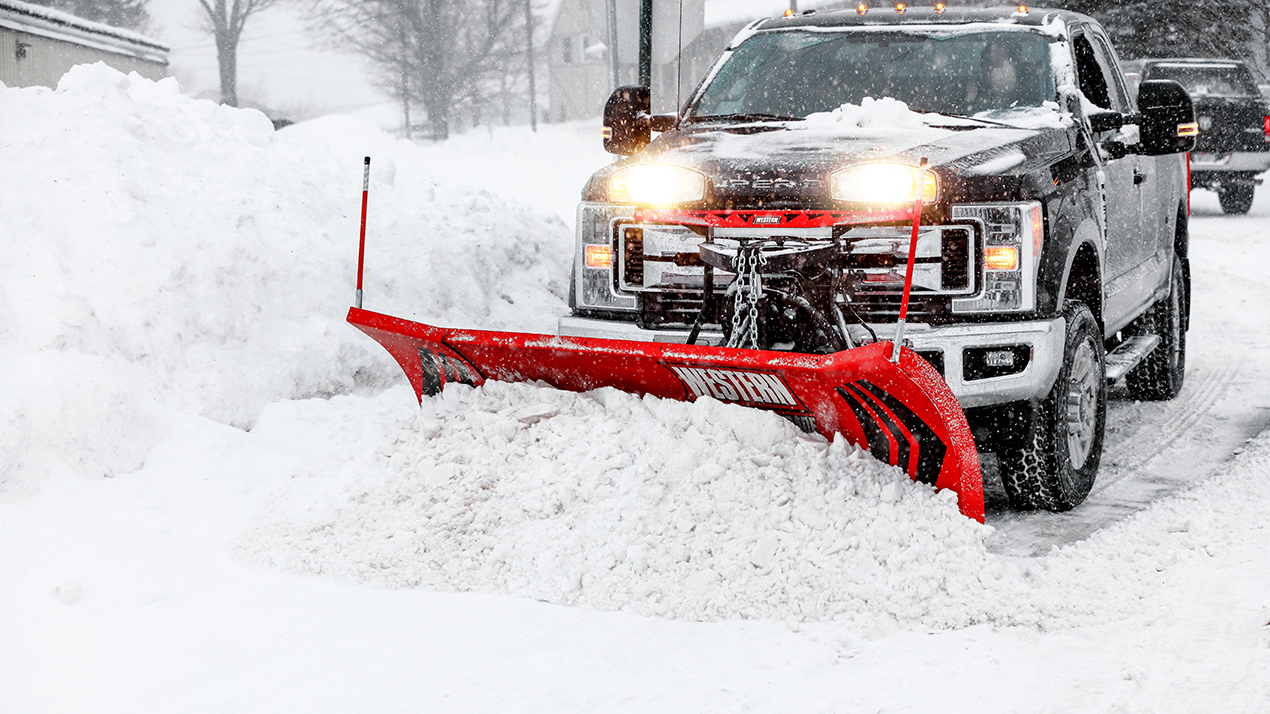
[161,252]
[658,507]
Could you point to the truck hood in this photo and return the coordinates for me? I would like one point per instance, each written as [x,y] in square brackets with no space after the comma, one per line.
[783,164]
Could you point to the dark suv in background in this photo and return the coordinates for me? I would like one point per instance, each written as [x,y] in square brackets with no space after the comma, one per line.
[1234,123]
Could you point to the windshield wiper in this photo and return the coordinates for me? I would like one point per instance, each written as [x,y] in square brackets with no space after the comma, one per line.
[968,117]
[742,117]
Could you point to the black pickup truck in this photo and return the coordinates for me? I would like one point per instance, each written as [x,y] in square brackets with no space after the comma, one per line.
[1234,123]
[773,213]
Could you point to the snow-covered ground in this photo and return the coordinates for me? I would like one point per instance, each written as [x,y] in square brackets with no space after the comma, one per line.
[217,496]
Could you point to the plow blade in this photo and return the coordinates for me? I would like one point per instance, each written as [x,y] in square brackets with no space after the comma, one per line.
[903,413]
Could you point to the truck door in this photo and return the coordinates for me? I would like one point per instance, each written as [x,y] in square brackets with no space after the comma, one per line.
[1122,176]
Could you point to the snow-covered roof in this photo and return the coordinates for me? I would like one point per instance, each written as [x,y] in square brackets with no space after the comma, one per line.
[63,26]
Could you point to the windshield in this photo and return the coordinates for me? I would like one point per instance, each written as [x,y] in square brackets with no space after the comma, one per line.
[793,74]
[1223,80]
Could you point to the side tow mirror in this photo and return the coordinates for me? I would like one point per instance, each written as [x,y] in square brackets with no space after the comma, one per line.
[1168,118]
[627,128]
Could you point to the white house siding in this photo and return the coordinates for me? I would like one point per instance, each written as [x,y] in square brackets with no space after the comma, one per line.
[580,91]
[579,81]
[39,45]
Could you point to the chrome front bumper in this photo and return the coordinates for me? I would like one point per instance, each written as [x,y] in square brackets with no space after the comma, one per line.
[1241,161]
[1045,337]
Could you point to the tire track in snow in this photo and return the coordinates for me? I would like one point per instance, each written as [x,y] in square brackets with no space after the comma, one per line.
[1152,437]
[1155,449]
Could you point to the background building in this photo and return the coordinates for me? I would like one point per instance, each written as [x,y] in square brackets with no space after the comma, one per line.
[38,45]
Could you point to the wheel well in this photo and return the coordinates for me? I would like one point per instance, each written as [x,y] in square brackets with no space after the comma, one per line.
[1083,282]
[1181,235]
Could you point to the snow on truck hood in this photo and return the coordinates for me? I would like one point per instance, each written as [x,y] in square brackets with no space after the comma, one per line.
[995,142]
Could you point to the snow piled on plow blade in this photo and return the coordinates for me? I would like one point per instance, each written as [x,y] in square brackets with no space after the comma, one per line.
[698,511]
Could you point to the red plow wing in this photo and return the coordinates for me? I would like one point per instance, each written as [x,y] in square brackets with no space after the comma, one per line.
[903,413]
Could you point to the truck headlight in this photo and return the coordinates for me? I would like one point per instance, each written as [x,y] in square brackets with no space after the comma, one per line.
[883,183]
[656,185]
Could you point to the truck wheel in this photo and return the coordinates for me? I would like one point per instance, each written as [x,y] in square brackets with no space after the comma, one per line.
[1159,376]
[1055,466]
[1235,199]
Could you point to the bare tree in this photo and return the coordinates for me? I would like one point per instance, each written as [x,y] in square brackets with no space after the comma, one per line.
[225,19]
[439,54]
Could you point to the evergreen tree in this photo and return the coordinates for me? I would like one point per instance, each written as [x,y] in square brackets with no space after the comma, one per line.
[1174,28]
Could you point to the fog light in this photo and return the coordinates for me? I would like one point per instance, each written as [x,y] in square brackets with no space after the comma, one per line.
[987,362]
[999,358]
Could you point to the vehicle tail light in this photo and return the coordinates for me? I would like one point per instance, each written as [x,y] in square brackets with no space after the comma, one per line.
[1265,130]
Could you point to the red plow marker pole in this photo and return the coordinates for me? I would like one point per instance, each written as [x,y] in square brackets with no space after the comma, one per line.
[908,271]
[361,247]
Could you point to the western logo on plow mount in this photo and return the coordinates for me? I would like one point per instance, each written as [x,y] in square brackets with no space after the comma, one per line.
[896,435]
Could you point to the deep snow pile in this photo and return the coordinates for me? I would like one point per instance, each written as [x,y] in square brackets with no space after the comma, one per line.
[609,501]
[159,252]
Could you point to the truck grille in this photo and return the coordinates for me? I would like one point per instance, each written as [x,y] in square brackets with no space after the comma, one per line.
[662,265]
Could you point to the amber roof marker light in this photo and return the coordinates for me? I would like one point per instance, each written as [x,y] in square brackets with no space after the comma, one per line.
[861,9]
[939,8]
[900,8]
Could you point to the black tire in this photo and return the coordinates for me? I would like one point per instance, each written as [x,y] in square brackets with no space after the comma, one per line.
[1237,199]
[1159,377]
[1055,466]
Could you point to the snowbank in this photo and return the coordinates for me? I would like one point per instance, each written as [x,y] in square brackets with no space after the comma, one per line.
[159,253]
[696,511]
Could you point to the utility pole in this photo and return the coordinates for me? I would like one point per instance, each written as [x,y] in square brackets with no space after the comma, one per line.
[646,42]
[615,67]
[529,52]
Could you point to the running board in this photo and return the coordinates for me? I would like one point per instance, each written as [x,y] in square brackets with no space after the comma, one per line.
[1128,354]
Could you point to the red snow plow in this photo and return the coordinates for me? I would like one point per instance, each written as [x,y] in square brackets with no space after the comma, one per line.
[895,405]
